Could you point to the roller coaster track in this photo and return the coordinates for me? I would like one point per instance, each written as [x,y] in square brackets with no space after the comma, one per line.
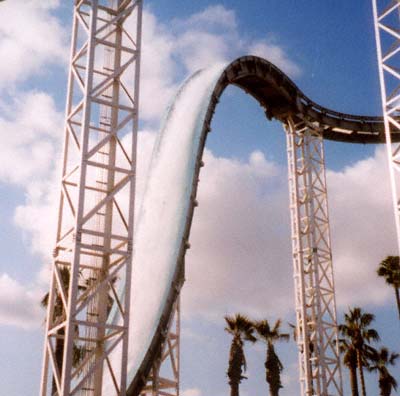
[281,99]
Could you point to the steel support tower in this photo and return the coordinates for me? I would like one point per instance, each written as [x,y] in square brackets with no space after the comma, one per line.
[84,351]
[164,376]
[386,21]
[316,327]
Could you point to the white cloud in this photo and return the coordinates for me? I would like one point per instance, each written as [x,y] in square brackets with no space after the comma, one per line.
[31,38]
[19,306]
[199,49]
[174,51]
[205,38]
[240,258]
[240,255]
[213,36]
[189,333]
[29,156]
[276,55]
[158,69]
[37,219]
[213,17]
[191,392]
[363,230]
[30,134]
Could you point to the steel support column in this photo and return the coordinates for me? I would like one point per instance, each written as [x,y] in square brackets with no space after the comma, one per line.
[92,258]
[164,376]
[386,20]
[316,328]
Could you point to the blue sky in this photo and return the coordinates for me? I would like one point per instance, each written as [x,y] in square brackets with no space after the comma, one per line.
[328,50]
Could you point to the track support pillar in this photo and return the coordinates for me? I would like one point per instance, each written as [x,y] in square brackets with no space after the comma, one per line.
[316,327]
[164,376]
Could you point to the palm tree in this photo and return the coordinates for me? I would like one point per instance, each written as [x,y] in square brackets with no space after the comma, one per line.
[273,366]
[380,361]
[357,335]
[350,361]
[389,269]
[241,328]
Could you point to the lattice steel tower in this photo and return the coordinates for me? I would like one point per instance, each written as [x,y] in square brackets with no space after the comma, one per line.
[386,20]
[314,286]
[85,352]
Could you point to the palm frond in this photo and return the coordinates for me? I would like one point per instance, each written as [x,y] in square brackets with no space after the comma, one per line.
[389,269]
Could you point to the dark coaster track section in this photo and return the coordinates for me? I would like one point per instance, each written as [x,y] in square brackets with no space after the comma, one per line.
[280,98]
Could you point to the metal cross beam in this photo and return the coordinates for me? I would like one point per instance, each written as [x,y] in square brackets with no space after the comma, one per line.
[164,376]
[92,256]
[316,328]
[386,20]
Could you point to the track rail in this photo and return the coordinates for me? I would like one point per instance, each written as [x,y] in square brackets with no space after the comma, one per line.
[281,99]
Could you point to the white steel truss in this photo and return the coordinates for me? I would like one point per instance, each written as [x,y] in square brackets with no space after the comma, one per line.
[316,328]
[164,376]
[387,35]
[84,350]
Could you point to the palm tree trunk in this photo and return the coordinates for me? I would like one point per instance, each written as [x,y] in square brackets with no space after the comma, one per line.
[353,381]
[385,388]
[234,388]
[236,356]
[272,371]
[360,369]
[396,289]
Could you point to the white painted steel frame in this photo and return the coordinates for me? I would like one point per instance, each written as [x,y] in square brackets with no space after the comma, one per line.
[164,376]
[386,21]
[96,211]
[316,328]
